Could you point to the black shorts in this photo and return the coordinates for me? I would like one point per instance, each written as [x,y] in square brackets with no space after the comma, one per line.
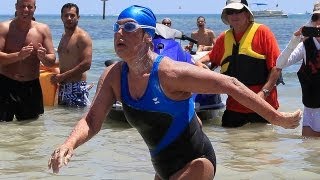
[22,99]
[236,119]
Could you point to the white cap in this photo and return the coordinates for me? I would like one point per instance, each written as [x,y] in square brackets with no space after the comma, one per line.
[235,4]
[316,8]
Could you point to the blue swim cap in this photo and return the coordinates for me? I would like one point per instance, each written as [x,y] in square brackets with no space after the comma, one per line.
[143,16]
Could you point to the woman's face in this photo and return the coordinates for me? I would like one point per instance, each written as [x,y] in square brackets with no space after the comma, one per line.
[128,44]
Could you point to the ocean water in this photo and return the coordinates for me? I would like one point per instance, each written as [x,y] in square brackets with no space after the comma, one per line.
[118,151]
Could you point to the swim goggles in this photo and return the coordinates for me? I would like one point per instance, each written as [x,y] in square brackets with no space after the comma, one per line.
[130,26]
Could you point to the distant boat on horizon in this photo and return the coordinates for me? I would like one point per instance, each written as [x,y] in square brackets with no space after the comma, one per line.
[268,12]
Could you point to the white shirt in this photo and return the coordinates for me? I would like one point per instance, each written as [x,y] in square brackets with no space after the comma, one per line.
[293,53]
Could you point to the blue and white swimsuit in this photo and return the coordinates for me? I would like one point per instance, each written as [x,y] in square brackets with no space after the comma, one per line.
[170,128]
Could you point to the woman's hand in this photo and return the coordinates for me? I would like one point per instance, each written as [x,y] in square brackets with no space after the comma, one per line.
[60,156]
[290,120]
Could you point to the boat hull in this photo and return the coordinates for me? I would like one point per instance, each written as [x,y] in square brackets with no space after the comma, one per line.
[269,14]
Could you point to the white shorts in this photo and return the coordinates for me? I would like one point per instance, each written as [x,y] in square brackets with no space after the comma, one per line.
[311,118]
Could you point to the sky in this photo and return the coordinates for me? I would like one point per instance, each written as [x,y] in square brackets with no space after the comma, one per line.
[95,7]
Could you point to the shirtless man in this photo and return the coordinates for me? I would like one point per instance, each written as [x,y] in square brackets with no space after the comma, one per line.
[23,44]
[75,56]
[205,37]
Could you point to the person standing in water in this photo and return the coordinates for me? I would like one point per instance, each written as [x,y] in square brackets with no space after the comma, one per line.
[247,51]
[156,94]
[75,57]
[306,49]
[205,37]
[23,44]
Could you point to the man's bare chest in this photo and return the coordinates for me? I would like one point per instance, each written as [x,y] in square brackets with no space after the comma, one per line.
[67,46]
[16,40]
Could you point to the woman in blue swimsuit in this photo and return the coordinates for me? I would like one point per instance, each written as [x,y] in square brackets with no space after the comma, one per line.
[156,95]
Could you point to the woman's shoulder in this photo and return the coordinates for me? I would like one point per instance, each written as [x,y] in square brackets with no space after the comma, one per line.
[172,68]
[112,71]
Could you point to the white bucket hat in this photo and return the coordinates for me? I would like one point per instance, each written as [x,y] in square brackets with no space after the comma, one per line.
[236,4]
[316,8]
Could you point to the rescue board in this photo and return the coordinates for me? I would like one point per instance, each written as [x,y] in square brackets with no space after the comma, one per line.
[49,89]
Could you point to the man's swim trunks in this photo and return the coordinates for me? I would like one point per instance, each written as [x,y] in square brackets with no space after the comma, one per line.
[74,94]
[22,99]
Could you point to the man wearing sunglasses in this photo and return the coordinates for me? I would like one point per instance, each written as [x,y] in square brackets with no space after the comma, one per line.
[307,49]
[75,56]
[248,52]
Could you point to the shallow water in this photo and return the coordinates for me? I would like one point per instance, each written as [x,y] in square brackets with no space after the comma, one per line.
[118,151]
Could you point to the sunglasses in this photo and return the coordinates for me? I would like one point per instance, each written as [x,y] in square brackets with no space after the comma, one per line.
[166,23]
[315,17]
[234,11]
[130,27]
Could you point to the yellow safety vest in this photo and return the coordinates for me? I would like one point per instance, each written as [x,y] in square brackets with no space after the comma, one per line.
[240,61]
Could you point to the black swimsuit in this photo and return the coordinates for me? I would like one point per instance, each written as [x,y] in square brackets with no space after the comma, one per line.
[169,128]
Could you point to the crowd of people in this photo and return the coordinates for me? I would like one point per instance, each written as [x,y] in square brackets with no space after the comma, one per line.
[155,91]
